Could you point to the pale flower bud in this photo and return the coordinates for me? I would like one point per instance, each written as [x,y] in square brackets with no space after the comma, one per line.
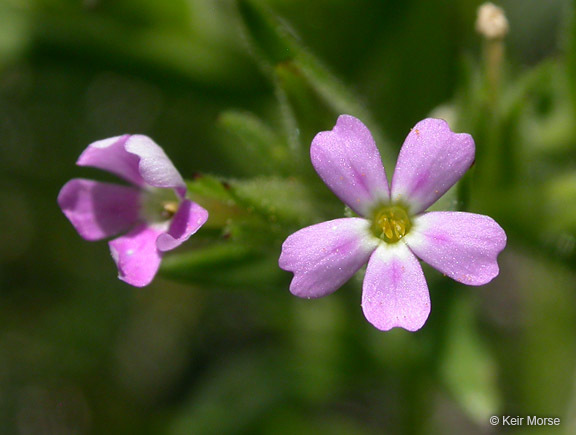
[491,22]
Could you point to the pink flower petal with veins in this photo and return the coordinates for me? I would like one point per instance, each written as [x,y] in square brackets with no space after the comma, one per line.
[187,220]
[99,210]
[431,161]
[395,293]
[136,255]
[111,155]
[135,158]
[464,246]
[155,168]
[347,159]
[326,255]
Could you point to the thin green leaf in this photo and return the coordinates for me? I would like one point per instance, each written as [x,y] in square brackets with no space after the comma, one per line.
[468,368]
[269,37]
[257,145]
[277,47]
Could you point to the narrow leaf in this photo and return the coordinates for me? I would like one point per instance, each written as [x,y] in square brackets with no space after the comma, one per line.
[469,368]
[257,146]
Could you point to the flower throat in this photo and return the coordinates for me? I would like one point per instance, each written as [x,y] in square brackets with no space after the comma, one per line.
[159,205]
[391,223]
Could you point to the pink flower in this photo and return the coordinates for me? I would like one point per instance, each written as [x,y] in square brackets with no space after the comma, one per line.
[394,227]
[153,212]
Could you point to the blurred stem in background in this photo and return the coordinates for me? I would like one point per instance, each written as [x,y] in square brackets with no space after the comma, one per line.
[492,25]
[495,153]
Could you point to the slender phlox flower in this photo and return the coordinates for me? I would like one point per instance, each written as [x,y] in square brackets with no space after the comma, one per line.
[152,213]
[393,229]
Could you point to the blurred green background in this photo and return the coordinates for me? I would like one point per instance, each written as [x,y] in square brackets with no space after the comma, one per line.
[83,353]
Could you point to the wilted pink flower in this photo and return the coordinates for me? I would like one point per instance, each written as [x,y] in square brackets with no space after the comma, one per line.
[153,212]
[393,228]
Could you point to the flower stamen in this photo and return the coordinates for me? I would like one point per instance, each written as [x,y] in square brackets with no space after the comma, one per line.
[169,209]
[391,223]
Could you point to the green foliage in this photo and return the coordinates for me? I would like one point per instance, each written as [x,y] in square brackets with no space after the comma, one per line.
[279,200]
[262,151]
[245,267]
[300,74]
[468,367]
[271,39]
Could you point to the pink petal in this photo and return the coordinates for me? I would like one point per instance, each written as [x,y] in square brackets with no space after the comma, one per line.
[136,255]
[99,210]
[395,293]
[110,155]
[326,255]
[463,246]
[187,220]
[347,159]
[155,167]
[135,158]
[432,160]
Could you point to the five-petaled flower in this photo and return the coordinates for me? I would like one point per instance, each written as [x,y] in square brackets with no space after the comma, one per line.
[153,213]
[394,227]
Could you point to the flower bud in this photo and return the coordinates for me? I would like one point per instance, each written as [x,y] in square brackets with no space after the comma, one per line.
[491,22]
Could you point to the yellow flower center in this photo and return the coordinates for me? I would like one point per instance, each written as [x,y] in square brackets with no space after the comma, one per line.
[169,209]
[391,223]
